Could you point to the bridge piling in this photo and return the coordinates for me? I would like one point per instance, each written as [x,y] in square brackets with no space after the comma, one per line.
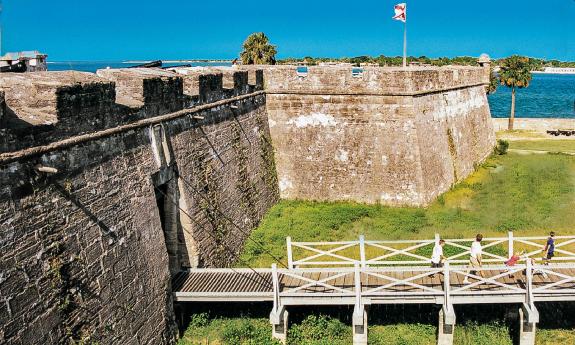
[359,326]
[280,325]
[446,324]
[359,319]
[446,327]
[528,318]
[279,316]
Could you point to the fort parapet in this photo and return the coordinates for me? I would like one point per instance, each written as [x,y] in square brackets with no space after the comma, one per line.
[111,183]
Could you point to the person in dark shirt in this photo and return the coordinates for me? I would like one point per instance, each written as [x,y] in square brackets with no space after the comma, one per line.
[549,248]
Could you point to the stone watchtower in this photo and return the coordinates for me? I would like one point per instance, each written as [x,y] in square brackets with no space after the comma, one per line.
[485,62]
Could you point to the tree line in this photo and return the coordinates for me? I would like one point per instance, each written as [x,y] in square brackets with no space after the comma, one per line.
[534,64]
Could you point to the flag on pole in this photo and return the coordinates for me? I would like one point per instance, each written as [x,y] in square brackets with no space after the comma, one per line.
[400,12]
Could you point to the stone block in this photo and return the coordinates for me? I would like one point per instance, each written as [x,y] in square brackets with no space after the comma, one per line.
[161,91]
[71,101]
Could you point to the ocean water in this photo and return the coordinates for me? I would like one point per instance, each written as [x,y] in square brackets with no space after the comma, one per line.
[93,66]
[548,95]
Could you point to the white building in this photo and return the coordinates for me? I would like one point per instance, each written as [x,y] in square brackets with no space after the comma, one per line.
[27,61]
[559,70]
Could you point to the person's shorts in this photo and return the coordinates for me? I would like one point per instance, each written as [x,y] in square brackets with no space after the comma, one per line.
[550,256]
[473,262]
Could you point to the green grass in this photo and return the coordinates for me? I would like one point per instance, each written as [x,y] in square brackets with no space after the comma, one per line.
[319,330]
[527,194]
[473,333]
[544,145]
[555,336]
[402,334]
[223,331]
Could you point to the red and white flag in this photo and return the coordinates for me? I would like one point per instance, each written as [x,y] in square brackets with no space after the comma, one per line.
[400,12]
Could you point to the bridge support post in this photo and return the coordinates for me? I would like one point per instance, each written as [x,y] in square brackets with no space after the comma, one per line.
[528,319]
[359,319]
[446,325]
[359,326]
[279,314]
[279,320]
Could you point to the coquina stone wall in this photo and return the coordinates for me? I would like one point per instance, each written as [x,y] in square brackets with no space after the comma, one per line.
[377,135]
[541,125]
[100,207]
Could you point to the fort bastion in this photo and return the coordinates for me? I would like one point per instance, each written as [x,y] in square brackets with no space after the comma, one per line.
[111,183]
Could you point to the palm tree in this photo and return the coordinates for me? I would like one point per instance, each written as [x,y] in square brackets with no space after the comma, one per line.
[258,50]
[493,82]
[514,73]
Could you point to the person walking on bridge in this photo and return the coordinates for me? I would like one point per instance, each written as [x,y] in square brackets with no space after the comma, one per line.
[437,257]
[474,258]
[549,248]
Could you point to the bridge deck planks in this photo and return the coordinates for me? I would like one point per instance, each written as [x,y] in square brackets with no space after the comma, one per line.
[232,283]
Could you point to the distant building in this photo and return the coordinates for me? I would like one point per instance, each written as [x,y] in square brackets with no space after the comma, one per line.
[27,61]
[335,63]
[559,70]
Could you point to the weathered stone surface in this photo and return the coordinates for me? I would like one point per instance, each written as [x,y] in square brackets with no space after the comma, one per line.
[370,80]
[71,101]
[139,86]
[85,253]
[391,136]
[2,109]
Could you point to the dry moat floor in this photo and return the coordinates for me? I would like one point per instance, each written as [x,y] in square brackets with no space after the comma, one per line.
[529,193]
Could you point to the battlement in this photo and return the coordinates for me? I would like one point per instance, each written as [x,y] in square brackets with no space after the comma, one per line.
[47,98]
[371,80]
[213,83]
[139,87]
[47,106]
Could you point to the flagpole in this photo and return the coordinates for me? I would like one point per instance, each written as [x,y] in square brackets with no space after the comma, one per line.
[405,43]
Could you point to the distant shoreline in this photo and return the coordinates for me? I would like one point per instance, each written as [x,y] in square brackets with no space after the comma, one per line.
[177,61]
[559,73]
[143,61]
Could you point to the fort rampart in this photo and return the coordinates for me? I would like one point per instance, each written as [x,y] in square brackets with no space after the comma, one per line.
[377,135]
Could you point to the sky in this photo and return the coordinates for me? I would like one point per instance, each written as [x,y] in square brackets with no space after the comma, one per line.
[107,30]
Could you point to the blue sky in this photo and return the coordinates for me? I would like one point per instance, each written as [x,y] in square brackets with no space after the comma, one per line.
[172,29]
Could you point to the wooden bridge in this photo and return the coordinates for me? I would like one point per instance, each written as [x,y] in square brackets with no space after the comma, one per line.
[362,273]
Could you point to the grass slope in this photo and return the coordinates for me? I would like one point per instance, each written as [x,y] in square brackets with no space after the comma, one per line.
[527,194]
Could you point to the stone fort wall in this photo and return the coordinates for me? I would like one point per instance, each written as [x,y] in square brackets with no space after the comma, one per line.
[110,184]
[377,135]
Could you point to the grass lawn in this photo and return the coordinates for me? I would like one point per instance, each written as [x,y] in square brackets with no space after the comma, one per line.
[528,194]
[567,146]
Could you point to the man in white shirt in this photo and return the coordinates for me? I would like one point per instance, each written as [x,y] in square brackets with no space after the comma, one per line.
[437,257]
[474,258]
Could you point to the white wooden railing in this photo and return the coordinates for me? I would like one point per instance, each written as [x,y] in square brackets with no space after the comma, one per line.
[385,253]
[354,282]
